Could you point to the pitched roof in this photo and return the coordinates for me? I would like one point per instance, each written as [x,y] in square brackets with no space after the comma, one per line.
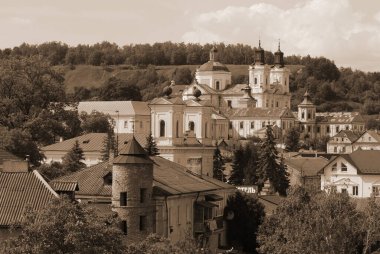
[5,155]
[213,66]
[93,142]
[235,90]
[373,133]
[65,186]
[110,107]
[166,101]
[365,161]
[259,112]
[339,117]
[19,191]
[309,166]
[352,136]
[168,176]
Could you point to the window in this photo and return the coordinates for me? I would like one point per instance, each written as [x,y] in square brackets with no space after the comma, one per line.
[126,124]
[191,125]
[342,139]
[141,124]
[217,85]
[369,138]
[229,103]
[344,190]
[355,190]
[230,125]
[303,115]
[252,125]
[308,128]
[308,115]
[241,124]
[343,149]
[142,195]
[375,190]
[277,104]
[123,199]
[267,103]
[347,127]
[162,128]
[328,129]
[263,124]
[206,130]
[142,223]
[124,227]
[318,129]
[337,129]
[335,149]
[344,167]
[255,80]
[334,167]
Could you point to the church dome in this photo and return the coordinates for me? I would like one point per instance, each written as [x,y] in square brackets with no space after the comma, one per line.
[213,66]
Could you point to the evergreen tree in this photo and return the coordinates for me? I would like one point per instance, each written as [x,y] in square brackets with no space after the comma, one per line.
[109,145]
[269,167]
[72,161]
[238,164]
[151,146]
[292,140]
[250,169]
[218,165]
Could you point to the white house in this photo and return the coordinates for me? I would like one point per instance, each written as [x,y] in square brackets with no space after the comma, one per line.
[357,173]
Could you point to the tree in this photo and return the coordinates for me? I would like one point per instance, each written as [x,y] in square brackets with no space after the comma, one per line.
[269,165]
[96,122]
[52,170]
[109,145]
[371,227]
[151,146]
[158,244]
[238,164]
[66,227]
[182,76]
[72,161]
[248,214]
[115,89]
[292,139]
[19,142]
[323,223]
[218,166]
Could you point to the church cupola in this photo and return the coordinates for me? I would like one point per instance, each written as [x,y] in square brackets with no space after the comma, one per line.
[259,55]
[214,54]
[279,57]
[247,100]
[306,110]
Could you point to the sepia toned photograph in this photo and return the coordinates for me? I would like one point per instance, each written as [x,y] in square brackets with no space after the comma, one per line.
[190,127]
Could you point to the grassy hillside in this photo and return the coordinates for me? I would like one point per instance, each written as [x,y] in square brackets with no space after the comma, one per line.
[94,76]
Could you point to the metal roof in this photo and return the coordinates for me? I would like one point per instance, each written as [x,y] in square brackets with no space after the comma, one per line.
[19,191]
[125,108]
[132,153]
[65,186]
[213,66]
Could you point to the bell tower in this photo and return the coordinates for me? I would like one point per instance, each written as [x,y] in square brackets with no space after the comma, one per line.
[306,115]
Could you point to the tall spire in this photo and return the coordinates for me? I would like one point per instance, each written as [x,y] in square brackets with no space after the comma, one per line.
[279,56]
[279,46]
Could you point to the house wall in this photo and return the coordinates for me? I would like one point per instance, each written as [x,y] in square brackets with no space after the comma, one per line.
[364,182]
[138,124]
[210,78]
[91,158]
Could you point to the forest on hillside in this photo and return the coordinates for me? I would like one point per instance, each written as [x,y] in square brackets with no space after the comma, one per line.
[332,89]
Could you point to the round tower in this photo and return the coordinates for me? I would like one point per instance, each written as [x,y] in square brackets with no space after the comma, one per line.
[132,181]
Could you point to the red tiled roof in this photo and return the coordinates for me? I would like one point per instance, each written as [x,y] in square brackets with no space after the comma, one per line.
[19,191]
[93,142]
[168,176]
[259,112]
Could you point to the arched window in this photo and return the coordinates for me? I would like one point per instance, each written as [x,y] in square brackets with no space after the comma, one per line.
[206,130]
[162,128]
[191,125]
[217,85]
[255,80]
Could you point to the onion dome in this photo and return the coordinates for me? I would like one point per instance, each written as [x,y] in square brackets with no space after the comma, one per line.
[167,91]
[259,55]
[279,57]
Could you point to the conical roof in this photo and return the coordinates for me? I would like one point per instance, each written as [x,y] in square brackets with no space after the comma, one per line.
[132,153]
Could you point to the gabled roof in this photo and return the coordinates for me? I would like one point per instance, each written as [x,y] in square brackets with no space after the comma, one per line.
[110,107]
[352,136]
[19,191]
[373,133]
[213,66]
[308,166]
[259,112]
[166,101]
[365,161]
[235,90]
[169,177]
[93,142]
[205,89]
[198,103]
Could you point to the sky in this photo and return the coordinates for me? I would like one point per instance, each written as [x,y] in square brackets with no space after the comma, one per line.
[346,31]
